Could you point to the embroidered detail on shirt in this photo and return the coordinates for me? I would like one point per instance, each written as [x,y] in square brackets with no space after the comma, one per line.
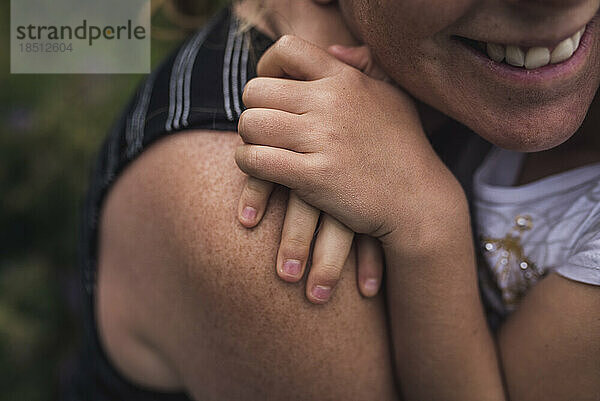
[514,272]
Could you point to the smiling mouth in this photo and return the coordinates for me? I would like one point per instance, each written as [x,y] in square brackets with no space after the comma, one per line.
[528,58]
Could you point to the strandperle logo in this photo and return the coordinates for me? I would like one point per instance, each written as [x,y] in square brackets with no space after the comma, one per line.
[80,36]
[84,31]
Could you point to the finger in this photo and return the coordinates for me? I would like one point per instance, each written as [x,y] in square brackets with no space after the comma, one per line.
[370,265]
[292,57]
[359,57]
[275,128]
[331,250]
[253,201]
[276,93]
[296,237]
[280,166]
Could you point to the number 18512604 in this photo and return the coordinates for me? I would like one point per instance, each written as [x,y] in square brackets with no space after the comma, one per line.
[46,47]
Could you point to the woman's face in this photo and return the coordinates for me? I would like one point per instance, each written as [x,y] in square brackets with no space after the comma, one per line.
[436,50]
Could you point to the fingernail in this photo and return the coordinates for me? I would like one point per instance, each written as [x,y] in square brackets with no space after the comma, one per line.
[321,292]
[292,267]
[371,285]
[249,213]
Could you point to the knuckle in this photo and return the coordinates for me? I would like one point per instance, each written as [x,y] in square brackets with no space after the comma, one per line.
[332,133]
[296,241]
[315,131]
[256,187]
[352,75]
[287,41]
[327,273]
[248,92]
[302,210]
[319,168]
[368,268]
[352,82]
[327,97]
[243,124]
[252,159]
[255,159]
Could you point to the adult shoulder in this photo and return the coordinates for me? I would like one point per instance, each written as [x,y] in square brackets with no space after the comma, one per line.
[189,299]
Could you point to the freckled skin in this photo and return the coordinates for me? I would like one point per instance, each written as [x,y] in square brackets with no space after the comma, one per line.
[193,301]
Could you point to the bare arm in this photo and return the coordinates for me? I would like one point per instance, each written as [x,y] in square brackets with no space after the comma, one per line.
[183,280]
[549,349]
[443,348]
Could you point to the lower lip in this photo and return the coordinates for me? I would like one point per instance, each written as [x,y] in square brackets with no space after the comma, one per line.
[546,74]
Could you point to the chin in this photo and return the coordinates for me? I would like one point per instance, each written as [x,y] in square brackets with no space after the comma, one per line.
[529,130]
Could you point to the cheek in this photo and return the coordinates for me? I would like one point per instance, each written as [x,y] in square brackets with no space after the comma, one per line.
[377,21]
[406,36]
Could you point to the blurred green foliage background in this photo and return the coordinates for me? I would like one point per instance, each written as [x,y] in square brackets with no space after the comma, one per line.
[51,127]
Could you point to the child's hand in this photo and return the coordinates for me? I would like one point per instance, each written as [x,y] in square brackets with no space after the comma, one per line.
[347,144]
[333,240]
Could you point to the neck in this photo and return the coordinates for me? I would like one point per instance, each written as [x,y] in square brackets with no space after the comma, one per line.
[321,24]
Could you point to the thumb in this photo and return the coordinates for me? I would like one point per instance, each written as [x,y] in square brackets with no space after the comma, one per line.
[359,57]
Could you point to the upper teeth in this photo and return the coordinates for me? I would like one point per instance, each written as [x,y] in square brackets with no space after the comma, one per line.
[535,57]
